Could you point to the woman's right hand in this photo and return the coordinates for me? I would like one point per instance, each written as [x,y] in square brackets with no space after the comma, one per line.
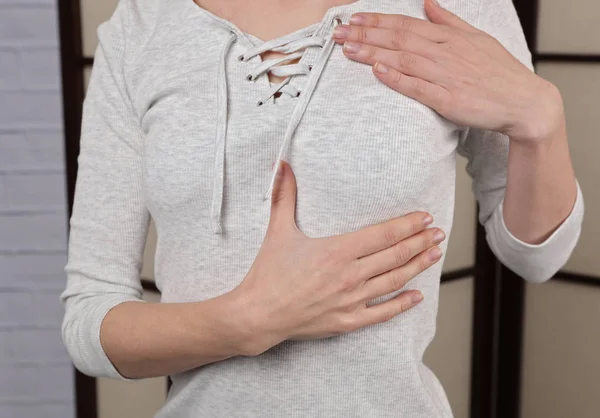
[308,288]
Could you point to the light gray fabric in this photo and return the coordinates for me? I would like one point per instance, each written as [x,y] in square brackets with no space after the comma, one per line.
[171,129]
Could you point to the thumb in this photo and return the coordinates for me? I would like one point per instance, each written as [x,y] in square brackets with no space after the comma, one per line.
[283,198]
[437,14]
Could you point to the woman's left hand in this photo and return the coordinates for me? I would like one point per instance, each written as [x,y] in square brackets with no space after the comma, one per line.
[461,72]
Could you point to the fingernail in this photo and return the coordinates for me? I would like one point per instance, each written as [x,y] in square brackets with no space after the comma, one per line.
[427,220]
[380,68]
[416,298]
[341,32]
[439,236]
[351,47]
[279,169]
[357,20]
[435,254]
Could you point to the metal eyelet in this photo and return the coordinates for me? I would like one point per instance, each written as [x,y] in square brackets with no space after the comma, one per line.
[337,21]
[310,67]
[298,94]
[241,58]
[259,103]
[249,77]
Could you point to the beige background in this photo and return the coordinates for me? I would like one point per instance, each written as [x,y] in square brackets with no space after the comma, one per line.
[572,26]
[561,363]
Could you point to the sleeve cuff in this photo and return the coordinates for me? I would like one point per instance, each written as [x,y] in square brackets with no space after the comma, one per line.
[96,359]
[536,262]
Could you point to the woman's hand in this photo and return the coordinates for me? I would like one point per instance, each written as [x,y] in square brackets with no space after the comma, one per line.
[456,69]
[309,288]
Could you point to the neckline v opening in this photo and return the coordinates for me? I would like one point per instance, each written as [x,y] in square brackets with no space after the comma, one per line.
[293,49]
[252,39]
[315,29]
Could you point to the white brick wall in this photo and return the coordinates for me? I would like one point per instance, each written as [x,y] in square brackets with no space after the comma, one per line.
[35,372]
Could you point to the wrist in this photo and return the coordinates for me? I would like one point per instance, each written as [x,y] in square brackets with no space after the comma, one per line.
[245,322]
[544,121]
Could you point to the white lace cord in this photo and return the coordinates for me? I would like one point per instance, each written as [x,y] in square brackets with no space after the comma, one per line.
[267,64]
[301,106]
[283,87]
[221,134]
[273,65]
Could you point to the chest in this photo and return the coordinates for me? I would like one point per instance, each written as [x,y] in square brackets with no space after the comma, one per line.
[361,150]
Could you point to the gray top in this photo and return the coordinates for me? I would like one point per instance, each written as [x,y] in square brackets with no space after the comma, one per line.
[171,129]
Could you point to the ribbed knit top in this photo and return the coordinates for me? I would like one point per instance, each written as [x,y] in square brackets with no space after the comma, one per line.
[172,130]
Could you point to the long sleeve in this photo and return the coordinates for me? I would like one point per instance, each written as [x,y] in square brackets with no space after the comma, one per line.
[109,222]
[487,154]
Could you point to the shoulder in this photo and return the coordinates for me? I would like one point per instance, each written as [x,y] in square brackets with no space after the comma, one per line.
[131,22]
[485,14]
[499,18]
[126,32]
[142,14]
[467,10]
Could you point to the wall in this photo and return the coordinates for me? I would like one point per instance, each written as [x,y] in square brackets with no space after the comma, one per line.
[35,371]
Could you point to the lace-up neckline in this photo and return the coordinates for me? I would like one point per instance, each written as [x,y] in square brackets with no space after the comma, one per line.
[291,45]
[274,65]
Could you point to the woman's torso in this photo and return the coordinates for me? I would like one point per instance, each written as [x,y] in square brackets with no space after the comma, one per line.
[362,154]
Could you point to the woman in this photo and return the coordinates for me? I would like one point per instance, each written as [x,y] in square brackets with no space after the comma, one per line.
[298,294]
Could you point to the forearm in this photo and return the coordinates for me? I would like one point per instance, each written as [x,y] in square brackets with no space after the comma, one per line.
[145,339]
[541,188]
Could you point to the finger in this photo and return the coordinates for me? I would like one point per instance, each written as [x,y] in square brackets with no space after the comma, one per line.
[405,62]
[430,94]
[437,14]
[378,237]
[397,278]
[398,255]
[422,27]
[391,39]
[283,199]
[385,311]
